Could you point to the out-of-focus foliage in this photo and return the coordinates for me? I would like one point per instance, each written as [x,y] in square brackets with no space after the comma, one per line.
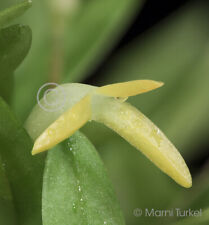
[201,220]
[198,196]
[175,52]
[23,171]
[89,33]
[9,14]
[20,174]
[15,42]
[7,211]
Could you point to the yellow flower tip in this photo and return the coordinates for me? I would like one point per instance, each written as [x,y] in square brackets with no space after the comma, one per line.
[35,151]
[41,144]
[160,84]
[188,181]
[130,88]
[66,125]
[182,176]
[188,184]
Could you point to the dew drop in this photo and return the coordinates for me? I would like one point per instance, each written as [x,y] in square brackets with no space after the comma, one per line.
[79,188]
[74,206]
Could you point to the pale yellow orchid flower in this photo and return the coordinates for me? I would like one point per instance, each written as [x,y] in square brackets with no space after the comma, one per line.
[101,104]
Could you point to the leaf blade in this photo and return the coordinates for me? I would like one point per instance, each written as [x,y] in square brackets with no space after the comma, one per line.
[87,197]
[15,42]
[7,210]
[9,14]
[23,171]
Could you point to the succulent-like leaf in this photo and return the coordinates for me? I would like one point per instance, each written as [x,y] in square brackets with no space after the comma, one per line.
[76,189]
[23,171]
[15,42]
[9,14]
[7,210]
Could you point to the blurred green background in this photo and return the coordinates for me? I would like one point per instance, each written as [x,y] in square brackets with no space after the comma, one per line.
[102,42]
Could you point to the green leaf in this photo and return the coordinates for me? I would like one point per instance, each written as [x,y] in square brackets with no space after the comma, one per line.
[7,210]
[6,87]
[76,189]
[23,171]
[15,42]
[9,14]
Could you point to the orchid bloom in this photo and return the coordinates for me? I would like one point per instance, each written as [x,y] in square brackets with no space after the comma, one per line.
[103,104]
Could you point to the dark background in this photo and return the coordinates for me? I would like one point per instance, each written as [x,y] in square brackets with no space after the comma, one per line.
[152,13]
